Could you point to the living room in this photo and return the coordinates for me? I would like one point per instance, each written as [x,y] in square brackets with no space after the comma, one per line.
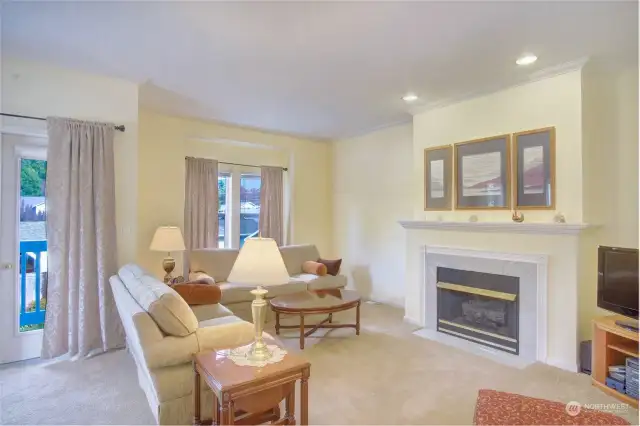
[352,153]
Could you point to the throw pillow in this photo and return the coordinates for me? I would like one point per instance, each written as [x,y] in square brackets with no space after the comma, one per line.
[199,294]
[315,268]
[333,266]
[200,277]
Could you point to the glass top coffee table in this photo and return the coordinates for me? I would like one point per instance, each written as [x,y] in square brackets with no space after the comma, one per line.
[315,302]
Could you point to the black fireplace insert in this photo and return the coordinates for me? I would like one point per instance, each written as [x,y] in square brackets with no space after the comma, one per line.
[479,307]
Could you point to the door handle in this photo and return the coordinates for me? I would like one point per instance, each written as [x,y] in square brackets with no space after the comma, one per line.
[7,266]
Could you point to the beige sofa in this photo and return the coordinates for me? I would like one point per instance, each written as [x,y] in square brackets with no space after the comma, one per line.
[237,297]
[163,333]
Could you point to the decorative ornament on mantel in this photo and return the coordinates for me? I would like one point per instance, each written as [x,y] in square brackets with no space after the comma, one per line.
[517,216]
[559,218]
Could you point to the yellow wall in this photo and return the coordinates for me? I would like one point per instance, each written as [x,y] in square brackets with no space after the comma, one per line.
[36,89]
[550,102]
[610,164]
[164,141]
[371,191]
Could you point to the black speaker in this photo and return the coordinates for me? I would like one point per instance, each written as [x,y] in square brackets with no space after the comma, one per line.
[585,357]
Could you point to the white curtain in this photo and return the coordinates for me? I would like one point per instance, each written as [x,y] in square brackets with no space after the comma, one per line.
[200,206]
[272,203]
[81,318]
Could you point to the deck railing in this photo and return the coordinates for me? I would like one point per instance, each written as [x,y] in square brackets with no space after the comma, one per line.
[31,263]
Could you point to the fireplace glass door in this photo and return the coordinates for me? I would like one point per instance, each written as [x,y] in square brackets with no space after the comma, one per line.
[479,307]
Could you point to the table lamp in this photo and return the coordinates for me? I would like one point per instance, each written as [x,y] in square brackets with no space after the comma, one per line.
[167,239]
[259,263]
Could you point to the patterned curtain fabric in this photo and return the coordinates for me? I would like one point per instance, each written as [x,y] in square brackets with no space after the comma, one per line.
[200,206]
[81,316]
[272,203]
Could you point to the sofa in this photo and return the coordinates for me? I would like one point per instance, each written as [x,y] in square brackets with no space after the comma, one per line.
[237,297]
[162,334]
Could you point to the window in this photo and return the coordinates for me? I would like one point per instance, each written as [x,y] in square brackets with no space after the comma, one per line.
[239,205]
[223,209]
[249,206]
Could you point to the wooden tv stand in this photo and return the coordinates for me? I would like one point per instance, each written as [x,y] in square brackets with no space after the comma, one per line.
[611,345]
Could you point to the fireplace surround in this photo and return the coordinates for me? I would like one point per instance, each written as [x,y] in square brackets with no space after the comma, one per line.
[490,303]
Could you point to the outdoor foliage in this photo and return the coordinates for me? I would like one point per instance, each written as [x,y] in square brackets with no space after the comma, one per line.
[32,178]
[31,306]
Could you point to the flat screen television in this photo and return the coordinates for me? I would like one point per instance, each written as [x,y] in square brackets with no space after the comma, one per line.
[618,280]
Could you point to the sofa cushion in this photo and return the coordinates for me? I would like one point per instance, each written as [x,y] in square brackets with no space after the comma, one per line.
[235,292]
[217,263]
[207,312]
[295,256]
[164,305]
[315,282]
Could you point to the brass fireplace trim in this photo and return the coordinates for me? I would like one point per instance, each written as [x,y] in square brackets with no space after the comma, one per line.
[477,330]
[479,291]
[466,336]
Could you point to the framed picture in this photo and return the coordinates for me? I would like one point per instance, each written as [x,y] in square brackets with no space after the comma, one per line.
[534,158]
[482,171]
[437,178]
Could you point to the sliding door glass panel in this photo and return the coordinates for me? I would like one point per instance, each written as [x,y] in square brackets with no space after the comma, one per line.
[223,209]
[249,206]
[33,244]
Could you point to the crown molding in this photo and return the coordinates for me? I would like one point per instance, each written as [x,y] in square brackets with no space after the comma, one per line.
[542,74]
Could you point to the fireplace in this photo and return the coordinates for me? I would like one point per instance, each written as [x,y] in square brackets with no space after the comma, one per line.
[479,307]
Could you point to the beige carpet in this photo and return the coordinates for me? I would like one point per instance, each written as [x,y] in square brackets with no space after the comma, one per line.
[384,376]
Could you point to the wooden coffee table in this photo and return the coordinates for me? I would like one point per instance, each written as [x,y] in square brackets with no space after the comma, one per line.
[316,302]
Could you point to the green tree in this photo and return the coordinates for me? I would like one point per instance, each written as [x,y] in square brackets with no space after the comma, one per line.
[32,177]
[222,191]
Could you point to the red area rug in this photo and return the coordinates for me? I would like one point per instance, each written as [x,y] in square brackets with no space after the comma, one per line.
[502,408]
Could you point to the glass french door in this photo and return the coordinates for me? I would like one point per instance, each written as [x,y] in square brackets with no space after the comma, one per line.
[23,247]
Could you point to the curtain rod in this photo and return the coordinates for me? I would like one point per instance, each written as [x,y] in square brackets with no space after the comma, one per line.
[119,128]
[246,165]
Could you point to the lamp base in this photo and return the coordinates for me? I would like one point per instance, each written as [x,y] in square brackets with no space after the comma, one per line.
[259,350]
[168,264]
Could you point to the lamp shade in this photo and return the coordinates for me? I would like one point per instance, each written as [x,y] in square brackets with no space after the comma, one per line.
[167,238]
[259,263]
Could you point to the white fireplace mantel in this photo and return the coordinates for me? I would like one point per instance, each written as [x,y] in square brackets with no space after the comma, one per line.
[507,227]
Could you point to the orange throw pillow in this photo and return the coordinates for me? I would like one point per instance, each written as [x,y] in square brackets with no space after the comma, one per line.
[199,294]
[315,268]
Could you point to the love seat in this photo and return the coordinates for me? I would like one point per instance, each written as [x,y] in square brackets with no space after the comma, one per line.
[163,333]
[237,297]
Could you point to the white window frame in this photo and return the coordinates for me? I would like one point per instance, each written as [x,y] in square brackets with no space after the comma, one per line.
[227,227]
[232,219]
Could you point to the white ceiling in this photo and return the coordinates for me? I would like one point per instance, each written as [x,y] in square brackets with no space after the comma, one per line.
[321,69]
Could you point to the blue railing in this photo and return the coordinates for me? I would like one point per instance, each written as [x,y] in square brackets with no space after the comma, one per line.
[31,263]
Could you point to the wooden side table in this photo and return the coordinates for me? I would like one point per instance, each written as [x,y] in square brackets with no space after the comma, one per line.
[251,395]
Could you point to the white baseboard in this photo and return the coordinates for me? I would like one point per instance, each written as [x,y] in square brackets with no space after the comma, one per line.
[563,364]
[391,301]
[412,321]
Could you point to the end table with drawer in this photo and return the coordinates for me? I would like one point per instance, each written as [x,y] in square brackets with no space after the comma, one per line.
[251,395]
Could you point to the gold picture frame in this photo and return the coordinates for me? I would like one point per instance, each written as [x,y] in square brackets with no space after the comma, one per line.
[437,178]
[536,150]
[483,182]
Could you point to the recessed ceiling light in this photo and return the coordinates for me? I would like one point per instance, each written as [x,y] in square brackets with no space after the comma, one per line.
[527,59]
[410,97]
